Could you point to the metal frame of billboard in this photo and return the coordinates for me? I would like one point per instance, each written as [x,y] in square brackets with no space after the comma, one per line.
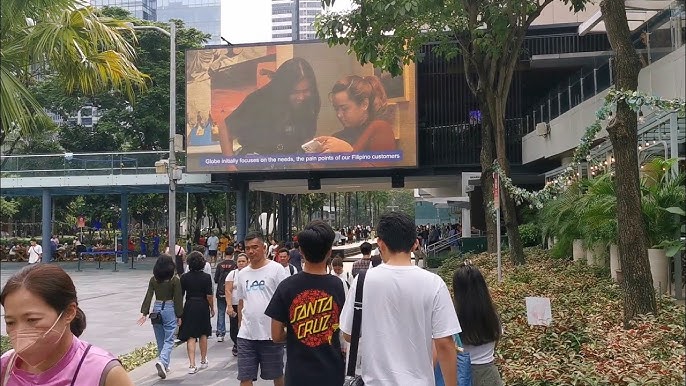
[298,171]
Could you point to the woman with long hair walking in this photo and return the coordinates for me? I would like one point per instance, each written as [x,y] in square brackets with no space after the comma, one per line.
[167,310]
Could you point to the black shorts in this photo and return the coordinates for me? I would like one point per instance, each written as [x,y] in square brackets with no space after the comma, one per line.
[212,252]
[265,353]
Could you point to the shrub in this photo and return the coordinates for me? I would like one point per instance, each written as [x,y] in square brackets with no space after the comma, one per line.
[530,234]
[4,344]
[586,343]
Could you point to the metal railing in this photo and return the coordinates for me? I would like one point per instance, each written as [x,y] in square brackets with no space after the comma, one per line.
[442,245]
[659,37]
[81,164]
[461,144]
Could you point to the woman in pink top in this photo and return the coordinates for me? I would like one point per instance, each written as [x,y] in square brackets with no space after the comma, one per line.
[43,322]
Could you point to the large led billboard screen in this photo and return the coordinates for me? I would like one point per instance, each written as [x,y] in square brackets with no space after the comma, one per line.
[304,106]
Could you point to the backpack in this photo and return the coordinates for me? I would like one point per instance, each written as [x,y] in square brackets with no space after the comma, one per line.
[223,273]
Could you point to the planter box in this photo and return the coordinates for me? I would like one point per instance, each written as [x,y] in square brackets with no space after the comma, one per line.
[615,264]
[659,269]
[578,252]
[595,256]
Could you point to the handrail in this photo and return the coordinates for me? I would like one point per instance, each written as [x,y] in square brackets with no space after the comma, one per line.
[442,244]
[67,154]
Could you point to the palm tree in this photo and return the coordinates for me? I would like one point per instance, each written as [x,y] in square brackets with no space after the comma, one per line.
[65,38]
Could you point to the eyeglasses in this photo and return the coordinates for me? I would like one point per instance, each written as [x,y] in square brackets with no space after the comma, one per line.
[467,263]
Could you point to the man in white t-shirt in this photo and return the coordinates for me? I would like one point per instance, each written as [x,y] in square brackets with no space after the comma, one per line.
[411,309]
[256,286]
[35,252]
[283,257]
[212,246]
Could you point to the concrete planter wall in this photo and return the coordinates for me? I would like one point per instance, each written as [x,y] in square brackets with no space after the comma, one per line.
[578,252]
[615,264]
[659,268]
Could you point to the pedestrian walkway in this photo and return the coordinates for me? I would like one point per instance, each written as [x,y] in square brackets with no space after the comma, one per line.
[222,368]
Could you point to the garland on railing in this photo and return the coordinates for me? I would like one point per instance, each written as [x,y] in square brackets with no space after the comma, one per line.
[634,99]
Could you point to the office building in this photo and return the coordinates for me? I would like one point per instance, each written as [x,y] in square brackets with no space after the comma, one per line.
[141,9]
[203,15]
[283,24]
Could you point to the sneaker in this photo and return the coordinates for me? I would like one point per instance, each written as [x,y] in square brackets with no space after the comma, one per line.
[235,351]
[192,369]
[161,371]
[220,339]
[204,364]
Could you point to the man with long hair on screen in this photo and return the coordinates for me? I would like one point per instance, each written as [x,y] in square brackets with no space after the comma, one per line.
[279,117]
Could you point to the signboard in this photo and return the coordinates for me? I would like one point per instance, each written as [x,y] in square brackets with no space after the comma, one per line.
[81,222]
[496,190]
[298,106]
[538,311]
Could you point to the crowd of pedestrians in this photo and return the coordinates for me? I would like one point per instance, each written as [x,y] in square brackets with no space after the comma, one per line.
[393,322]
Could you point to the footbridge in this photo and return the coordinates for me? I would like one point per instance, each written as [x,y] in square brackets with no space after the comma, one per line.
[121,173]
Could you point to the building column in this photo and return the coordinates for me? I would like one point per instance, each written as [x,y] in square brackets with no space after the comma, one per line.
[241,211]
[283,217]
[47,226]
[124,220]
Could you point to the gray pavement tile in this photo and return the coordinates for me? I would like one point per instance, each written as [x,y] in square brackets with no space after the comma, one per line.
[112,301]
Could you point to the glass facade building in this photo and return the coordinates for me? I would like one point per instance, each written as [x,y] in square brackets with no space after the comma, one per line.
[141,9]
[203,15]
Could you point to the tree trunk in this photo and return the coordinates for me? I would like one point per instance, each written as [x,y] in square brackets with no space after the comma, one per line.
[497,106]
[486,158]
[638,294]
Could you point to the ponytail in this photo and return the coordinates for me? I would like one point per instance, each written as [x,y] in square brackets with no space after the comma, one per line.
[78,324]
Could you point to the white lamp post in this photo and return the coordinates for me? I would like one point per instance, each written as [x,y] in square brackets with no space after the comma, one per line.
[171,169]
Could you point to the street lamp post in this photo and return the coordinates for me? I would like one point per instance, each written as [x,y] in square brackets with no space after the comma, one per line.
[171,167]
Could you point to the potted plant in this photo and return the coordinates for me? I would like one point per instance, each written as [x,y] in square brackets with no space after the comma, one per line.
[598,212]
[559,219]
[663,198]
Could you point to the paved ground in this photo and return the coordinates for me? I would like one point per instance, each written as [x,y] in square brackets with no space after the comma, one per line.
[112,301]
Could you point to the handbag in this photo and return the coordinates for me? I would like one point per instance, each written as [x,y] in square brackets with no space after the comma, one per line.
[350,378]
[464,366]
[156,317]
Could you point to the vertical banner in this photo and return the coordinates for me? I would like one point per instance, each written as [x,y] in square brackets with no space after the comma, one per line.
[496,190]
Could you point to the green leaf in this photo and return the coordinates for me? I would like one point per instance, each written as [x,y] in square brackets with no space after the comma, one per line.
[675,210]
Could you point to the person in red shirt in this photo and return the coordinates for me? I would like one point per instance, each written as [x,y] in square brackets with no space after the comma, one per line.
[361,107]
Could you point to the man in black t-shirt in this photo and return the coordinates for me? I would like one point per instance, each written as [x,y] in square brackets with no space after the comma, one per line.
[305,312]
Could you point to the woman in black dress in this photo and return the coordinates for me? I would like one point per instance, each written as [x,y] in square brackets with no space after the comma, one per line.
[199,308]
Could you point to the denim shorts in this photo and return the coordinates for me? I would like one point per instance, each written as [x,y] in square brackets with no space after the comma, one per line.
[265,353]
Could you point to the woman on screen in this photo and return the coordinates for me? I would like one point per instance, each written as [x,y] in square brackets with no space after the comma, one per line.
[360,104]
[279,117]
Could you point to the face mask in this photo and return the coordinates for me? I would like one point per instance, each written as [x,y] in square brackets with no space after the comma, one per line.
[32,345]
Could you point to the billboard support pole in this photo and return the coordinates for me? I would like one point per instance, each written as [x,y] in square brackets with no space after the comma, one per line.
[172,134]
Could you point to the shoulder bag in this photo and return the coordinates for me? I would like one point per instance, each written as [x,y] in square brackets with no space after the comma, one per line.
[464,366]
[156,317]
[350,378]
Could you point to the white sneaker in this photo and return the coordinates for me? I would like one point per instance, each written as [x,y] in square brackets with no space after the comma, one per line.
[204,364]
[192,369]
[161,371]
[220,339]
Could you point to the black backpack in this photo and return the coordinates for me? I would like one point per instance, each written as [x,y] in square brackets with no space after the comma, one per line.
[221,274]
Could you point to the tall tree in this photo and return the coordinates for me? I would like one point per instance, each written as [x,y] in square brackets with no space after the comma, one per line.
[64,37]
[638,294]
[487,33]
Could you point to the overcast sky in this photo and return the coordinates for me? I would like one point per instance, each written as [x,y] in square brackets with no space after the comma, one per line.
[249,21]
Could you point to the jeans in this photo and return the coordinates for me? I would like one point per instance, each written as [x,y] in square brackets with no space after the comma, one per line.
[233,325]
[164,333]
[221,316]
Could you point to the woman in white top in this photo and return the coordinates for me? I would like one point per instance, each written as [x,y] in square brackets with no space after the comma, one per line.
[480,323]
[230,292]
